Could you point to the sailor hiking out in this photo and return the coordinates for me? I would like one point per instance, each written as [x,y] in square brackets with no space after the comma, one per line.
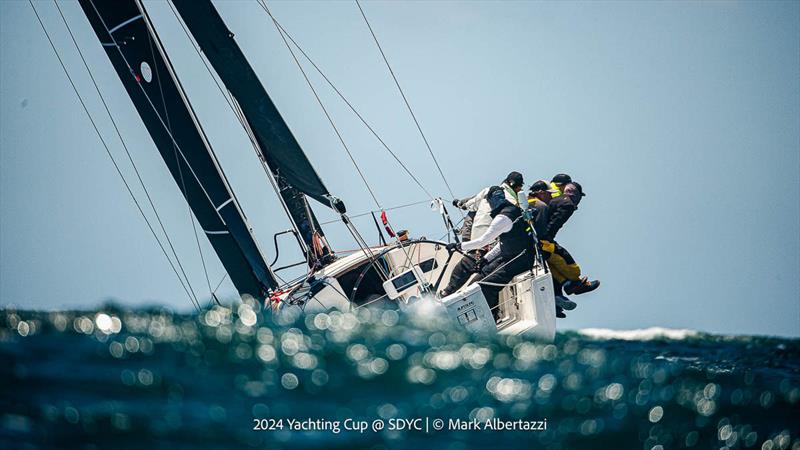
[399,272]
[511,255]
[478,220]
[514,235]
[478,204]
[561,200]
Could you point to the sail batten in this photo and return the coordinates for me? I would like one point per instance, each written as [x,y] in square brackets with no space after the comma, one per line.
[155,90]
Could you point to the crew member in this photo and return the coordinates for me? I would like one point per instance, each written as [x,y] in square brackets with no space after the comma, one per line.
[558,183]
[566,272]
[538,198]
[513,253]
[469,217]
[512,184]
[478,207]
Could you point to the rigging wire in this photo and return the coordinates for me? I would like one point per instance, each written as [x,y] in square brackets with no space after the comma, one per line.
[359,239]
[273,178]
[360,117]
[350,227]
[233,105]
[225,93]
[330,119]
[180,169]
[111,156]
[128,153]
[228,98]
[353,109]
[199,248]
[377,211]
[237,112]
[161,120]
[408,105]
[214,292]
[240,116]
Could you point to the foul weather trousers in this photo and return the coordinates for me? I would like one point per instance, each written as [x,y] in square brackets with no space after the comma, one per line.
[498,272]
[466,228]
[562,265]
[461,273]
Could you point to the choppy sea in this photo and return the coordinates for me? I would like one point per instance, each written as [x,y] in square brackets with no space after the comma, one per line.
[239,378]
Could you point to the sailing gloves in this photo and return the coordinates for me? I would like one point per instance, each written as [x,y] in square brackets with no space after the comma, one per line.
[453,246]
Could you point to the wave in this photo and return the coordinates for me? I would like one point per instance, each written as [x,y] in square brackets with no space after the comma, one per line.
[642,334]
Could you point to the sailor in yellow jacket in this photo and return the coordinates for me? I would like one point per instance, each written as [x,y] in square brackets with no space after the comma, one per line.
[557,185]
[554,207]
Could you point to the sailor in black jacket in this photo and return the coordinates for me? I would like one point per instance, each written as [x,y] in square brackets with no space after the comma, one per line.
[476,223]
[539,196]
[566,272]
[513,253]
[559,210]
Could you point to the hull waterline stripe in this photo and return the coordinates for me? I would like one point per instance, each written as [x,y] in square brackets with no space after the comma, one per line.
[124,23]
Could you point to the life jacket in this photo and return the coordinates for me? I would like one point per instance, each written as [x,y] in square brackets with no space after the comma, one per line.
[510,193]
[540,214]
[518,239]
[559,210]
[480,205]
[556,192]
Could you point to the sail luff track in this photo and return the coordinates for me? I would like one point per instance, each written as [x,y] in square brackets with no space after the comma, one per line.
[128,38]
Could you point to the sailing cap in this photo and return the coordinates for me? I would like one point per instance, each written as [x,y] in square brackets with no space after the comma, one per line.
[574,188]
[541,185]
[514,179]
[562,178]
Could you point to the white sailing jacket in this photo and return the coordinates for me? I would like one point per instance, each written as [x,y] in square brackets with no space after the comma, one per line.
[480,205]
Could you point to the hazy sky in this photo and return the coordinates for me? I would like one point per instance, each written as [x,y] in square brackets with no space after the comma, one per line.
[681,120]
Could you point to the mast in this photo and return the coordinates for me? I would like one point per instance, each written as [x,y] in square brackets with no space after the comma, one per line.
[289,167]
[131,43]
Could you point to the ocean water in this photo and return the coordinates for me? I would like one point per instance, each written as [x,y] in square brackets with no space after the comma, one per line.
[239,378]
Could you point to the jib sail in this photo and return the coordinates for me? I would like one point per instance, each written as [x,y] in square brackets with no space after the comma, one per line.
[278,147]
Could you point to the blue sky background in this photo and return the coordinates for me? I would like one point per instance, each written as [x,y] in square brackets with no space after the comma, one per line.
[681,120]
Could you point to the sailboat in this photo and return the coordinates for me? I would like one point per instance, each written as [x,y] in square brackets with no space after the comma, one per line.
[399,274]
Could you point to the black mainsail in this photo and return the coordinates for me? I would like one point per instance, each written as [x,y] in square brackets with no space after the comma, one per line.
[135,51]
[277,145]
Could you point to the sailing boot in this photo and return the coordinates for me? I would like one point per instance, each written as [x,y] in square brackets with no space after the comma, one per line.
[560,313]
[581,286]
[565,303]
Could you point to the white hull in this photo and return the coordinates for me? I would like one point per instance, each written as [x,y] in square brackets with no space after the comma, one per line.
[527,305]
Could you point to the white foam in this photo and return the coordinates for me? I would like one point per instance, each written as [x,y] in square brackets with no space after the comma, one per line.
[645,334]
